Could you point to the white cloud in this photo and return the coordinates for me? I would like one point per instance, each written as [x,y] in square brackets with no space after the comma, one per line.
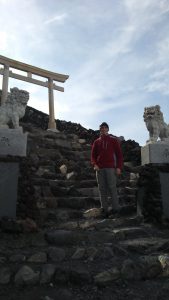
[158,86]
[58,18]
[160,74]
[163,50]
[3,40]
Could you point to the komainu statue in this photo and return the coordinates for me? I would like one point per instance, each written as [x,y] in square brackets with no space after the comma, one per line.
[153,117]
[14,108]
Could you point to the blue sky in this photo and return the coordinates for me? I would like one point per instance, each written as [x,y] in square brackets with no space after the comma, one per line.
[116,53]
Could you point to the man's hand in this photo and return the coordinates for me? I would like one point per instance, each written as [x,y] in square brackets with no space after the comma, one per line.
[96,168]
[118,171]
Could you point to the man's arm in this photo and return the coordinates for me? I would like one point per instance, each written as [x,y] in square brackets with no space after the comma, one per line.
[119,158]
[94,157]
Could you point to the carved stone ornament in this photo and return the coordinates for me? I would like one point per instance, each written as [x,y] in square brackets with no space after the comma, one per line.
[14,108]
[153,117]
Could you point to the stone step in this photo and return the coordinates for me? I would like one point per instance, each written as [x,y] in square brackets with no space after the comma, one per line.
[89,199]
[76,236]
[76,183]
[55,144]
[130,233]
[59,215]
[94,223]
[87,183]
[130,198]
[89,192]
[95,256]
[146,245]
[78,202]
[66,201]
[130,190]
[127,190]
[123,182]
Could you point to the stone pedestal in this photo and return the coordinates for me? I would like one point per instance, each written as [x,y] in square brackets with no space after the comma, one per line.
[157,153]
[13,144]
[8,188]
[164,181]
[153,192]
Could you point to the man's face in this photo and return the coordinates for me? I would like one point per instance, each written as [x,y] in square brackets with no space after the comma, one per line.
[104,130]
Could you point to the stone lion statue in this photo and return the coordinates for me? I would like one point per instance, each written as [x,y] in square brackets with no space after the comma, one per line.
[153,117]
[14,108]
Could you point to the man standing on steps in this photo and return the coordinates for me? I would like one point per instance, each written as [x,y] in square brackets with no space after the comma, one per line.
[107,160]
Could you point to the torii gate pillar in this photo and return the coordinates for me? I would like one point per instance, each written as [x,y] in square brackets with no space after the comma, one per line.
[52,123]
[5,84]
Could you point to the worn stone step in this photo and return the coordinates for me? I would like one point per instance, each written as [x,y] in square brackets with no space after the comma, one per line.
[92,218]
[76,183]
[66,201]
[131,232]
[130,198]
[54,143]
[61,182]
[41,134]
[40,181]
[125,221]
[62,237]
[109,223]
[51,154]
[78,202]
[146,245]
[123,182]
[87,183]
[133,183]
[90,192]
[130,190]
[59,215]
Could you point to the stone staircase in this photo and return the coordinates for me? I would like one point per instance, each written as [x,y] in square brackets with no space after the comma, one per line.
[73,254]
[74,190]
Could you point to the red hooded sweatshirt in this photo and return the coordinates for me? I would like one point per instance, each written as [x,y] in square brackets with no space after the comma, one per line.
[106,152]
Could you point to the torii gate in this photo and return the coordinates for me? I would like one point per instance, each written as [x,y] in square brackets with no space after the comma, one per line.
[31,70]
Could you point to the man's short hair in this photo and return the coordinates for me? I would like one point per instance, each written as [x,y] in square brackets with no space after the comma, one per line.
[104,124]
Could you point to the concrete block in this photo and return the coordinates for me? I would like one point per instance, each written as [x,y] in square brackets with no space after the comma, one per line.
[164,181]
[157,153]
[8,188]
[13,142]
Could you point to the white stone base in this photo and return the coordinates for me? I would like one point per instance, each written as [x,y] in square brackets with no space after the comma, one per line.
[13,142]
[53,130]
[157,153]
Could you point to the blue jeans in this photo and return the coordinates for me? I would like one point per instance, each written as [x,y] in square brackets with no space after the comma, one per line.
[106,179]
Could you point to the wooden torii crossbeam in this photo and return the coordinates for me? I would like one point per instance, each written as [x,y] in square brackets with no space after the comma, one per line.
[31,70]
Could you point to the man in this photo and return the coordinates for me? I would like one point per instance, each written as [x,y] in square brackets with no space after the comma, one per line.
[107,160]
